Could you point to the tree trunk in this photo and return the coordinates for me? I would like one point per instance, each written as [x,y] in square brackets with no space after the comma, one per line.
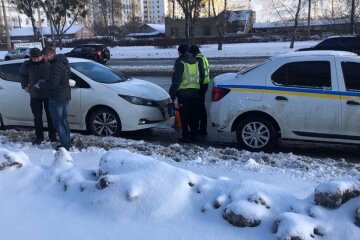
[60,41]
[309,19]
[352,18]
[219,38]
[33,24]
[187,28]
[295,24]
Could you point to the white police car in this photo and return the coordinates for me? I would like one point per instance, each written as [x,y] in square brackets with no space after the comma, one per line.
[312,95]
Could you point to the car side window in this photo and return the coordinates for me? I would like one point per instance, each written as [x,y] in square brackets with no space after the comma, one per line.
[309,74]
[10,72]
[351,75]
[329,43]
[87,49]
[77,50]
[80,83]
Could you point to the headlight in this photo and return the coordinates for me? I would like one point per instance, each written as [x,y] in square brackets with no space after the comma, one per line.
[139,101]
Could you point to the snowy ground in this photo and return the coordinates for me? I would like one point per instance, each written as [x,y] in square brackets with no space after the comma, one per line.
[229,50]
[115,188]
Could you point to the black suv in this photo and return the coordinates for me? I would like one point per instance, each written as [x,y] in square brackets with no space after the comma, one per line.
[96,52]
[349,43]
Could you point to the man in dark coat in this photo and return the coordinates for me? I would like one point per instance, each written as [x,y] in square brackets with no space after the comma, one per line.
[205,79]
[31,72]
[185,87]
[59,94]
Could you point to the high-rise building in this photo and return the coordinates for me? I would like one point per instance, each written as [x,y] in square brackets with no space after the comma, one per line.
[155,11]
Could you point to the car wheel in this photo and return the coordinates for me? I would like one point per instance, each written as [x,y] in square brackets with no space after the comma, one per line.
[7,58]
[256,134]
[104,122]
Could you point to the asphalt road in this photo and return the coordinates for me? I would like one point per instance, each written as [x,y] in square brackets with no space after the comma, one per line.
[166,135]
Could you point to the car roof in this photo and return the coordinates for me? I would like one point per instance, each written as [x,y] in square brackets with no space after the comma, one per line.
[316,53]
[91,44]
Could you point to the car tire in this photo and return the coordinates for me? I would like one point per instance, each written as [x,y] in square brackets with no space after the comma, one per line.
[256,134]
[104,122]
[7,58]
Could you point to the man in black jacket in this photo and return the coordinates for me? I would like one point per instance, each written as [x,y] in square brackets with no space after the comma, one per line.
[185,87]
[31,72]
[59,94]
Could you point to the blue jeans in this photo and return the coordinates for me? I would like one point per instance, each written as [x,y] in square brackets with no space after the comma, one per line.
[58,111]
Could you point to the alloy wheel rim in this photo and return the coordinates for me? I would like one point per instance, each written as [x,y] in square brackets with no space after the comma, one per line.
[255,135]
[105,124]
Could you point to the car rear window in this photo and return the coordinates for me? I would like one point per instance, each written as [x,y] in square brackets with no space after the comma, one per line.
[98,73]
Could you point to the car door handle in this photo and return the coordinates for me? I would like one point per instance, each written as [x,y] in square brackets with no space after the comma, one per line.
[350,102]
[1,88]
[281,98]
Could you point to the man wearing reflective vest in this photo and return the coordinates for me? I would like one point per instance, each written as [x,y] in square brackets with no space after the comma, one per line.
[185,87]
[204,79]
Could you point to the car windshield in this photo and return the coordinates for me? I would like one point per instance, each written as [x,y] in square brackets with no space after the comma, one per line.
[98,72]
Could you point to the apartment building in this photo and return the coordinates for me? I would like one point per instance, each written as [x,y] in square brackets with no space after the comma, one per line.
[155,11]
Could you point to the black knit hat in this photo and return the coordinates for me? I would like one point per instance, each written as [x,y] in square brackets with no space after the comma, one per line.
[35,52]
[183,48]
[194,49]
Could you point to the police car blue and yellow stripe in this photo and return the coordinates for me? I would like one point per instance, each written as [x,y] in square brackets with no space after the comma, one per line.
[293,91]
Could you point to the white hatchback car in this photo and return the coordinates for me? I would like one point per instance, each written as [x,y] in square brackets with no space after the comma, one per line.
[103,101]
[312,96]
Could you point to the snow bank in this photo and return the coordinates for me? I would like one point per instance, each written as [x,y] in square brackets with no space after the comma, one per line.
[137,188]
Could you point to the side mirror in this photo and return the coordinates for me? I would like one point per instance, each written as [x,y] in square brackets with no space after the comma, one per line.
[72,83]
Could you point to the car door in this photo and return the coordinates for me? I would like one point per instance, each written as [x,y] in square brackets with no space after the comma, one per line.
[349,83]
[74,109]
[14,101]
[303,95]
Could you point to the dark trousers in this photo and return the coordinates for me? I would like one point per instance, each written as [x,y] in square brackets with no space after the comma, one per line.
[37,106]
[58,110]
[202,109]
[188,100]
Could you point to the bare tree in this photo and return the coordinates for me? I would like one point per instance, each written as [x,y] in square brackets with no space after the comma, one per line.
[220,19]
[109,10]
[28,7]
[191,10]
[289,11]
[62,14]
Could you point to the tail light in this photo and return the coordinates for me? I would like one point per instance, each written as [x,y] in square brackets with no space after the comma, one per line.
[219,93]
[98,53]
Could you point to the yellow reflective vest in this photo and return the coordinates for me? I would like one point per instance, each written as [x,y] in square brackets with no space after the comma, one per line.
[190,77]
[206,67]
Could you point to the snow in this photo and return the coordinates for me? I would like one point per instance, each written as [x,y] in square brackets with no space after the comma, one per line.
[106,188]
[239,50]
[210,50]
[28,31]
